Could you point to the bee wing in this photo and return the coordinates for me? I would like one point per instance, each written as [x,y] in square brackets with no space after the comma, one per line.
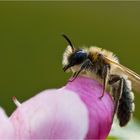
[132,76]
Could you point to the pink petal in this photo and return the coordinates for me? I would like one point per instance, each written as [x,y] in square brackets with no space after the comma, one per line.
[100,111]
[6,127]
[51,114]
[72,112]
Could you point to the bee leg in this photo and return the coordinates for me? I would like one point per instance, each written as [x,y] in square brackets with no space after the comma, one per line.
[73,75]
[86,64]
[105,79]
[117,86]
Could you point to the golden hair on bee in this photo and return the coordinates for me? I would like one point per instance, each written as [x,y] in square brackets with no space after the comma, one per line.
[103,66]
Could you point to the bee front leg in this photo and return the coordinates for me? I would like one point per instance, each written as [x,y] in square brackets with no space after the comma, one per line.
[72,77]
[86,64]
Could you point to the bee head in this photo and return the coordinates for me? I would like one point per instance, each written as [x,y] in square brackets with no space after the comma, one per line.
[72,56]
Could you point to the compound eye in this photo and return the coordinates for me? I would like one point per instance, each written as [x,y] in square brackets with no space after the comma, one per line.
[80,56]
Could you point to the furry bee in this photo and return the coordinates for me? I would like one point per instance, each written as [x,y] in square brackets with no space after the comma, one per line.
[104,66]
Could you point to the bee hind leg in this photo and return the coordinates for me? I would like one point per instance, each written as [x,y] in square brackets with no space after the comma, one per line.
[116,83]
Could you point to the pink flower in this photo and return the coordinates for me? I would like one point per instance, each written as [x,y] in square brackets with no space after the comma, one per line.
[71,112]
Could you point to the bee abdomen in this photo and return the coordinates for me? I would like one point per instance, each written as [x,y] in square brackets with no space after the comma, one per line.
[126,104]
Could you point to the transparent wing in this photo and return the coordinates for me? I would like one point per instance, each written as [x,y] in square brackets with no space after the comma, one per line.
[132,76]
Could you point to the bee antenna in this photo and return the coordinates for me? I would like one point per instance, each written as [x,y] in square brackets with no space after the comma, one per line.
[68,40]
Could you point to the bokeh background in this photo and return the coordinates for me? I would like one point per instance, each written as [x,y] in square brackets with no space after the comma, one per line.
[31,45]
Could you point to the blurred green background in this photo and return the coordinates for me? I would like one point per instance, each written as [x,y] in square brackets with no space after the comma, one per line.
[31,45]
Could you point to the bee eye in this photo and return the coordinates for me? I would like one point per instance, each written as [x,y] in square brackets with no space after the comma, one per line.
[80,55]
[77,58]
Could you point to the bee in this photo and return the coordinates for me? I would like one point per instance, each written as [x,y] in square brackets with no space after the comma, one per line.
[103,66]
